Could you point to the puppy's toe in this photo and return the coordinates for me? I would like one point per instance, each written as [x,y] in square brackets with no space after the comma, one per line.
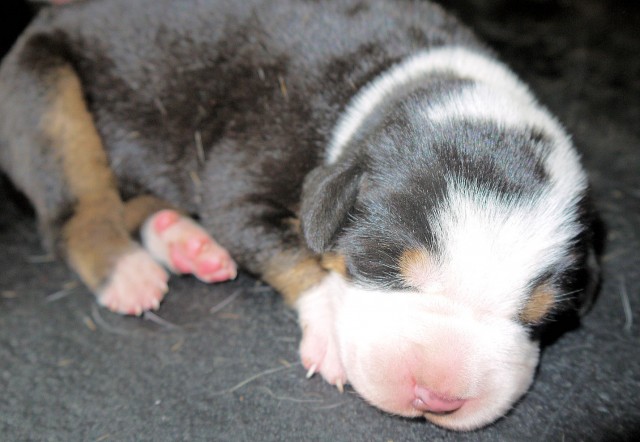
[185,247]
[319,348]
[319,354]
[136,284]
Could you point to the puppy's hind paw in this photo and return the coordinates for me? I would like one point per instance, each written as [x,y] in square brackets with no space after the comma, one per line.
[136,284]
[184,247]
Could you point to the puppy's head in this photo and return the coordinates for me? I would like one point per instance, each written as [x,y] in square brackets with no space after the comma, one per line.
[461,239]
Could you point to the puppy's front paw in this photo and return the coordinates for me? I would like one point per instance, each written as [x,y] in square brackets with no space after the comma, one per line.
[136,284]
[319,354]
[319,349]
[184,247]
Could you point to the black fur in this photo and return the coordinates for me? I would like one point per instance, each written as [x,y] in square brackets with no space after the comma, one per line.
[259,85]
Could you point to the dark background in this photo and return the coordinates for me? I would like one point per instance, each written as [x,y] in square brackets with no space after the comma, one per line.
[222,362]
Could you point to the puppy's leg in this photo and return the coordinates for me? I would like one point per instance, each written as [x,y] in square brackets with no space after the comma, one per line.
[95,239]
[177,241]
[265,241]
[52,151]
[312,286]
[264,237]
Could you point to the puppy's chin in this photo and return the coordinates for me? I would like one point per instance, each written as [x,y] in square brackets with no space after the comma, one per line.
[416,355]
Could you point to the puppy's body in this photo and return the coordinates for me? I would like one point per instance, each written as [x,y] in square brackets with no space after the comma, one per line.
[451,204]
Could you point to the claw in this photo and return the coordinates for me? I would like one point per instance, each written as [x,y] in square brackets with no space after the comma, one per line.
[137,283]
[312,371]
[163,286]
[340,386]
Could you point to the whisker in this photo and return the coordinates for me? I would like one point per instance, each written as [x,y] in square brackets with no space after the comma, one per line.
[250,379]
[626,305]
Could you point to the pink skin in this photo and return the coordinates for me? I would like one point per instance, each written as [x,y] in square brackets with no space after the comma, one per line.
[389,371]
[319,354]
[186,248]
[319,350]
[397,381]
[137,284]
[427,375]
[416,354]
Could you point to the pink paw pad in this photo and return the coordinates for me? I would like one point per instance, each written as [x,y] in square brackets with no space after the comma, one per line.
[185,247]
[164,219]
[136,284]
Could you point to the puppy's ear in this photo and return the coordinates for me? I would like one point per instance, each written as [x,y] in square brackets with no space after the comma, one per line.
[329,192]
[591,282]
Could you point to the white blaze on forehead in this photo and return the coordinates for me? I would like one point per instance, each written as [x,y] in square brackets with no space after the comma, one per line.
[494,246]
[491,249]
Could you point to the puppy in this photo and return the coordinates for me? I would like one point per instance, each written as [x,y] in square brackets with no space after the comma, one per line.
[371,160]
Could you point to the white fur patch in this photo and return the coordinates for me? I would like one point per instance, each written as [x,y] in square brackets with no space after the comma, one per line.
[319,347]
[389,342]
[497,95]
[137,284]
[492,249]
[459,61]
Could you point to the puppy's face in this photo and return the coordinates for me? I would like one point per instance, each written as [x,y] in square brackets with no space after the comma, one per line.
[459,240]
[417,353]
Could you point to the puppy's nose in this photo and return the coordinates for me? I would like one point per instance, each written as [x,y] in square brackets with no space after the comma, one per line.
[428,401]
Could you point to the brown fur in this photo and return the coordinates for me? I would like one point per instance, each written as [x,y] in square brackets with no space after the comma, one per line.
[292,273]
[414,264]
[539,305]
[95,236]
[335,263]
[139,209]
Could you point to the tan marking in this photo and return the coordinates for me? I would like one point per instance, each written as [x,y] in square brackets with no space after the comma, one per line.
[294,224]
[539,304]
[334,262]
[95,236]
[292,273]
[138,209]
[73,134]
[93,242]
[416,267]
[283,88]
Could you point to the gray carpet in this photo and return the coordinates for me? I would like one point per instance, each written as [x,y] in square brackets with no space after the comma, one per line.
[219,362]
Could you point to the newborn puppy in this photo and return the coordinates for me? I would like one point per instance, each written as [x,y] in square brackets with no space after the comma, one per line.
[371,160]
